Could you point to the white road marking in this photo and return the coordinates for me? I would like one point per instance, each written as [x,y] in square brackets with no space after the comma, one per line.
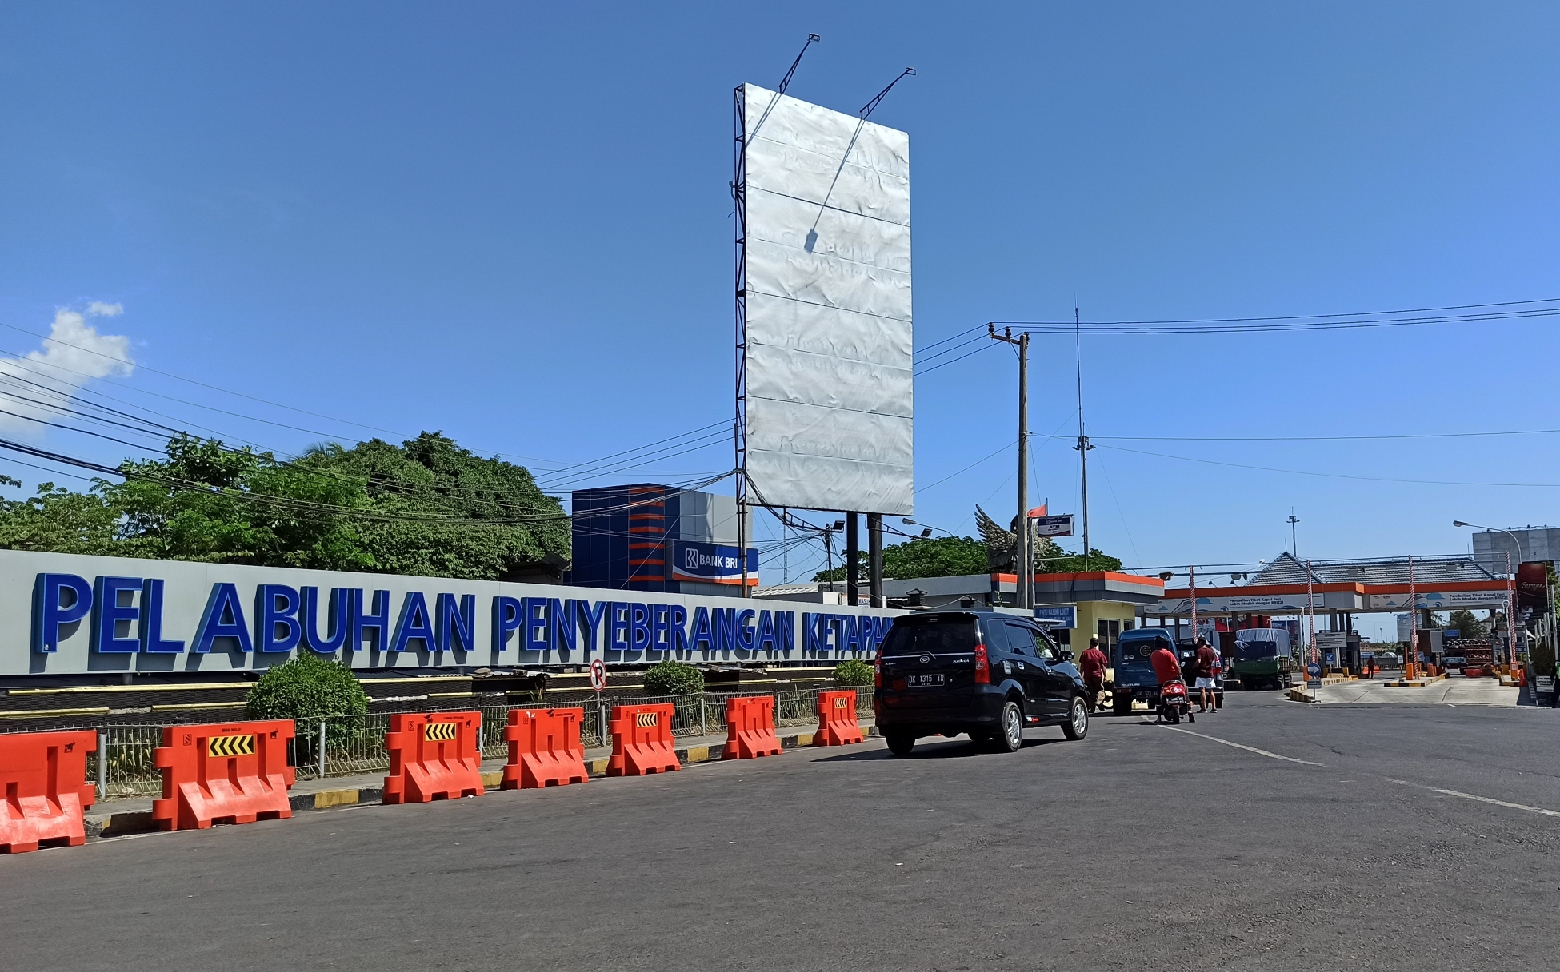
[1249,749]
[1481,799]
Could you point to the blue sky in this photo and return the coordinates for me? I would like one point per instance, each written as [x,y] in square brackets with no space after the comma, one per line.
[512,223]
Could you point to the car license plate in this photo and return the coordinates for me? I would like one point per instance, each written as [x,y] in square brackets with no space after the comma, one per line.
[916,681]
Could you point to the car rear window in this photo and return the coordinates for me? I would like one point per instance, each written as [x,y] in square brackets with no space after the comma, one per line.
[935,636]
[1136,650]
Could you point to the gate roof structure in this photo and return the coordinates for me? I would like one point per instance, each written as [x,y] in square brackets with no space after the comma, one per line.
[1440,583]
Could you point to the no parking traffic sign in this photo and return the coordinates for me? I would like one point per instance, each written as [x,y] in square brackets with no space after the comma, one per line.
[598,674]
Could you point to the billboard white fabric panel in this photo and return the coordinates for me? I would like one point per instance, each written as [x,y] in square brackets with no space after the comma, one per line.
[830,392]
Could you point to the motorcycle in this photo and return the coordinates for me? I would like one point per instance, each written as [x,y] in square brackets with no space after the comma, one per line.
[1174,703]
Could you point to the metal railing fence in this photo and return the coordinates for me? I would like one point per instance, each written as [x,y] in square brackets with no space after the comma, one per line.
[123,765]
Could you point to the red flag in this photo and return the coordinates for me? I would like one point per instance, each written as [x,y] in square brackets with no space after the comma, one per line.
[1038,511]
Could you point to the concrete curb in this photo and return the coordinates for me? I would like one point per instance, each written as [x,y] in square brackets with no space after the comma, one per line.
[140,821]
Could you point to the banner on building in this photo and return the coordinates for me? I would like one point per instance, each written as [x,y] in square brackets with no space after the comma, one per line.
[1533,586]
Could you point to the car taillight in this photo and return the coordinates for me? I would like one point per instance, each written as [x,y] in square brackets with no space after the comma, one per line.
[877,669]
[982,666]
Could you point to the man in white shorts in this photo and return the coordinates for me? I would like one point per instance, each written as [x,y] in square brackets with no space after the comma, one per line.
[1207,665]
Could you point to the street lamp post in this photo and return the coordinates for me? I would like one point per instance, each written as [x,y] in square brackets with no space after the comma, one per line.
[1511,590]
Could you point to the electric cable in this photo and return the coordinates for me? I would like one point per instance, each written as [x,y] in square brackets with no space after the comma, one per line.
[1308,472]
[1409,317]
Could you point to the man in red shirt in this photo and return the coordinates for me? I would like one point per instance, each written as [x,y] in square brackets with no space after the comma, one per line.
[1167,667]
[1092,666]
[1207,669]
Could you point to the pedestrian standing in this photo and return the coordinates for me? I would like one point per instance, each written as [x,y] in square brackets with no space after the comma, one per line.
[1207,662]
[1092,667]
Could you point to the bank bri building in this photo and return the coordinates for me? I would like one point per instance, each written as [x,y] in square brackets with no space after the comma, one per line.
[648,537]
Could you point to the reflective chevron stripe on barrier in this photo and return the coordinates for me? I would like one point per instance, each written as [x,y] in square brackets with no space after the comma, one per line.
[434,756]
[642,740]
[43,779]
[235,773]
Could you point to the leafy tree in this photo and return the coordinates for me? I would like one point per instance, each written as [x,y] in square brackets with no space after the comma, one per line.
[1465,624]
[431,475]
[56,519]
[1050,558]
[425,507]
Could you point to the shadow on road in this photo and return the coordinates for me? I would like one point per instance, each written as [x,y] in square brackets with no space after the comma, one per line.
[931,748]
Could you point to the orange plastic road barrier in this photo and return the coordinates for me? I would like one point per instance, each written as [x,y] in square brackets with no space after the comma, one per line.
[642,740]
[434,755]
[234,773]
[837,725]
[750,722]
[42,774]
[544,748]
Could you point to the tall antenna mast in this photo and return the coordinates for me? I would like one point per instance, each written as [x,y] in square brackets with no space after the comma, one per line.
[1083,446]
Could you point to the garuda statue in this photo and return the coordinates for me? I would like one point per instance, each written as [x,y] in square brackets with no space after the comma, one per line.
[1001,545]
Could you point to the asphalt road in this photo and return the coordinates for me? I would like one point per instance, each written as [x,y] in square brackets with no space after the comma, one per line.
[1351,837]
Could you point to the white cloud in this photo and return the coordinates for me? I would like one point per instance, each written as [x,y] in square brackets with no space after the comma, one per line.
[73,354]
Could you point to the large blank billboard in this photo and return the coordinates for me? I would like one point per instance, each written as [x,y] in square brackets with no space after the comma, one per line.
[830,394]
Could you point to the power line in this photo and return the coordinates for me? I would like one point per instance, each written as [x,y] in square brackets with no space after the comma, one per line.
[310,506]
[1320,438]
[1308,472]
[1410,317]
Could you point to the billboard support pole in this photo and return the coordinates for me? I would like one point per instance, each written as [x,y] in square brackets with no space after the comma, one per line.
[739,426]
[875,559]
[852,558]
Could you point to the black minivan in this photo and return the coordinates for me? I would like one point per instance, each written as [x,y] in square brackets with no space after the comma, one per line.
[978,672]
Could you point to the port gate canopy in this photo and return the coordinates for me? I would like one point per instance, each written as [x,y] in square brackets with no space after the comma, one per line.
[1343,587]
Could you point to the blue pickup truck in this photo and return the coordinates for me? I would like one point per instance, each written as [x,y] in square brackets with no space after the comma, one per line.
[1135,679]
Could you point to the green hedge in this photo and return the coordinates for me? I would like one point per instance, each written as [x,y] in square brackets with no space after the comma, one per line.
[673,678]
[308,688]
[853,672]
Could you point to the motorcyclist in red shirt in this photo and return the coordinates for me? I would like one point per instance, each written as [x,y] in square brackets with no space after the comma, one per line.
[1167,667]
[1092,667]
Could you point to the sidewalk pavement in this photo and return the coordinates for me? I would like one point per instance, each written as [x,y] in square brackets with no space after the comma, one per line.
[115,818]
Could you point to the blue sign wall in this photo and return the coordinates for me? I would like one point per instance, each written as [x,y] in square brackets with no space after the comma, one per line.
[64,614]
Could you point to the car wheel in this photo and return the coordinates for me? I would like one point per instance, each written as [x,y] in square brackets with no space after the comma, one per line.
[1121,704]
[900,743]
[1010,736]
[1077,724]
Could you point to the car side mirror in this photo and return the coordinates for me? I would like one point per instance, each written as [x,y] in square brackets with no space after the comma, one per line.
[1066,656]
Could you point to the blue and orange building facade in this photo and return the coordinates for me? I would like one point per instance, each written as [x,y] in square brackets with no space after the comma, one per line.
[650,537]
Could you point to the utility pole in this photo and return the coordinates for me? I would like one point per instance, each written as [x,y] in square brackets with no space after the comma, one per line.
[1083,446]
[1294,548]
[1025,568]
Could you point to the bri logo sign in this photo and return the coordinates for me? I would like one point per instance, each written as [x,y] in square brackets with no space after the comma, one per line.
[711,562]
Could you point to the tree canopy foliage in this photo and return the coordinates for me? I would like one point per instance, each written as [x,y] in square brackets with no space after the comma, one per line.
[426,506]
[1465,624]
